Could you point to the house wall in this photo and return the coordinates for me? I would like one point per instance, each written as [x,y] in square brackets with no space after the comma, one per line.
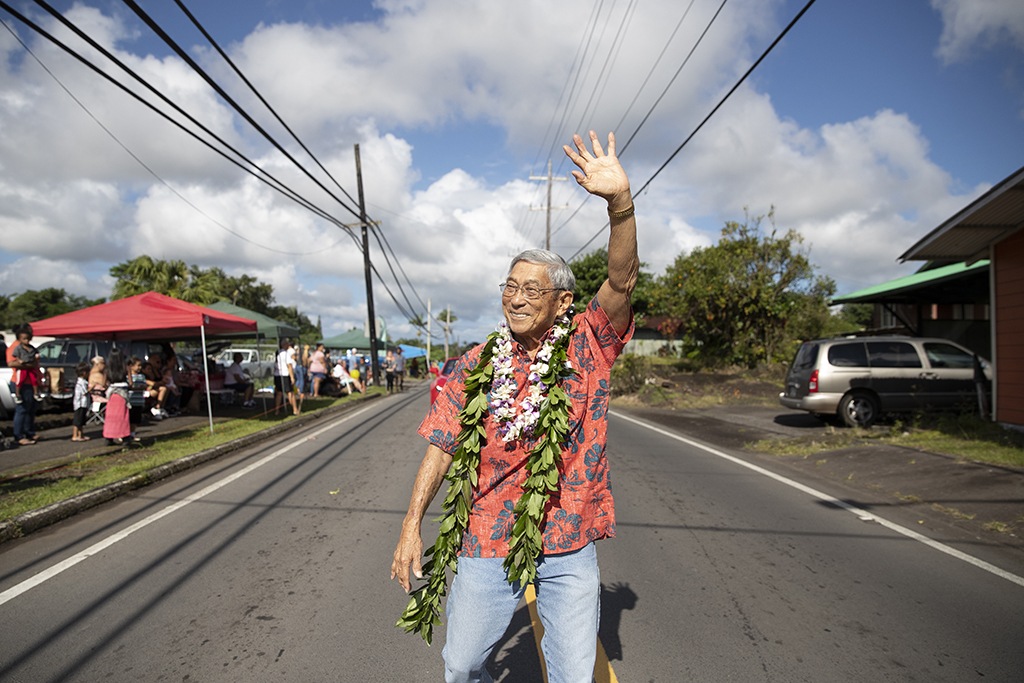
[654,347]
[1008,262]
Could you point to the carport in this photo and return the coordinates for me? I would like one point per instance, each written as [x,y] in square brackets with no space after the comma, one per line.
[992,227]
[948,301]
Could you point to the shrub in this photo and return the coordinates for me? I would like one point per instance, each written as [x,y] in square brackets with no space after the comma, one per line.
[630,373]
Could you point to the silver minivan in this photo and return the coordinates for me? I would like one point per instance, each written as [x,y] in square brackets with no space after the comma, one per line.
[859,378]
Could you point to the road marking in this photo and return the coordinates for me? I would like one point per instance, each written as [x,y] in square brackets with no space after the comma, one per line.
[49,573]
[853,509]
[603,672]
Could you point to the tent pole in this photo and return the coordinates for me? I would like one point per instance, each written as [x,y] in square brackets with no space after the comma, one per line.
[206,376]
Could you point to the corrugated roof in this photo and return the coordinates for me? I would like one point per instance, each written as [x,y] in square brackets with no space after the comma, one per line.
[908,288]
[967,236]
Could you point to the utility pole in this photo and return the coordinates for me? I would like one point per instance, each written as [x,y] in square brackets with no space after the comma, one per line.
[428,335]
[374,362]
[551,180]
[447,328]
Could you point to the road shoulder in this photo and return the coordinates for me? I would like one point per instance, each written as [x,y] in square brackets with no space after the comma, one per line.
[967,502]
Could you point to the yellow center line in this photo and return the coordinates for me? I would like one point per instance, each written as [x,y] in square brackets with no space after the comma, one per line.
[603,672]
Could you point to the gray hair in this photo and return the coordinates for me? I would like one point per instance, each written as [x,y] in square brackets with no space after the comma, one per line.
[559,272]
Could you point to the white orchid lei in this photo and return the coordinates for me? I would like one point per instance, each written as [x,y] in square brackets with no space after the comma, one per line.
[543,413]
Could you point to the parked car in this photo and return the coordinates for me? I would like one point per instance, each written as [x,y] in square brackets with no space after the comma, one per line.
[858,379]
[7,403]
[59,358]
[256,367]
[441,377]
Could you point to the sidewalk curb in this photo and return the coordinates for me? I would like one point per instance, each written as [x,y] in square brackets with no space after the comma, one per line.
[28,522]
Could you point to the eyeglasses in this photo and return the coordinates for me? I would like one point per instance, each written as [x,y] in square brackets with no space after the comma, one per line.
[510,289]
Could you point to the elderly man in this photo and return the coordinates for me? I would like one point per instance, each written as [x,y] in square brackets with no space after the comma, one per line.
[520,434]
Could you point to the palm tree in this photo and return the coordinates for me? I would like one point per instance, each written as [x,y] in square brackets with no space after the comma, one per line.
[446,318]
[133,277]
[199,286]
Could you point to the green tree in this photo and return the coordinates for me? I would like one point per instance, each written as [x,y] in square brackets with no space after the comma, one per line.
[173,278]
[446,318]
[206,286]
[737,302]
[591,270]
[37,304]
[308,331]
[246,291]
[420,324]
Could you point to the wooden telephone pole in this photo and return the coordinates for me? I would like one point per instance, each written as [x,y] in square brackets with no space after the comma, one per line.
[551,181]
[374,362]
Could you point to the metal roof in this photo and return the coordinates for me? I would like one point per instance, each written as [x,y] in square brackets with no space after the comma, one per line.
[955,283]
[967,236]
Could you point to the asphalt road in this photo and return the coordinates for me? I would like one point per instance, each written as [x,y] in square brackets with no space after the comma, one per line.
[271,564]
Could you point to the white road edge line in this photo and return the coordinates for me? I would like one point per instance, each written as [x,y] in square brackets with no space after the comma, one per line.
[51,572]
[859,512]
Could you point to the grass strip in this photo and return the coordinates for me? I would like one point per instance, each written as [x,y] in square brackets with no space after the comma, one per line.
[27,494]
[965,437]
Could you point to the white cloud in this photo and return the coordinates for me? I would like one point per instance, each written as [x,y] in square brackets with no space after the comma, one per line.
[860,190]
[39,272]
[967,23]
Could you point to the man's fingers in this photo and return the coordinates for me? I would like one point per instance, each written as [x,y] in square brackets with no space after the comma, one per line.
[611,144]
[402,574]
[596,144]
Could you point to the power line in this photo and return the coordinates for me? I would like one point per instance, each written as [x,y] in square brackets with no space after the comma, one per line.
[266,177]
[377,232]
[650,72]
[660,97]
[570,78]
[672,80]
[134,156]
[280,187]
[156,28]
[256,92]
[722,101]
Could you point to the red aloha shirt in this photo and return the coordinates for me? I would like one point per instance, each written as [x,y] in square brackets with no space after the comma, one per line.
[582,509]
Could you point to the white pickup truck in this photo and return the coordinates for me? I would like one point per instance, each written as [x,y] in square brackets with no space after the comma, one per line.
[256,367]
[6,397]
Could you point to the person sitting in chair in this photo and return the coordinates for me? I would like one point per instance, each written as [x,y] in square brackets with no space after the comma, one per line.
[239,382]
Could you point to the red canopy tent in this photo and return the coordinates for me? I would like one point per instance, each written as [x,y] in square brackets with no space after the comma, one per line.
[143,316]
[147,316]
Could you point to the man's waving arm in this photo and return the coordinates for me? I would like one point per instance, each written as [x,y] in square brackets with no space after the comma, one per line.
[601,174]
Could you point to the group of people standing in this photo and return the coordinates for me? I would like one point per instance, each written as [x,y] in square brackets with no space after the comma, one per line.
[124,388]
[299,372]
[394,369]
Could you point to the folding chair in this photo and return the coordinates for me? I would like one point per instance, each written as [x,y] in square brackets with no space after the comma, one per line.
[97,413]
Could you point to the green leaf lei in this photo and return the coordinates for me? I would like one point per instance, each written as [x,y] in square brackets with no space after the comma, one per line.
[526,540]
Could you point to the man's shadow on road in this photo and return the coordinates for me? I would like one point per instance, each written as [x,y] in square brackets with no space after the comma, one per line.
[615,599]
[516,657]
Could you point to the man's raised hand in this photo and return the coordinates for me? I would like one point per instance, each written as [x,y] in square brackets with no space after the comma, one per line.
[600,172]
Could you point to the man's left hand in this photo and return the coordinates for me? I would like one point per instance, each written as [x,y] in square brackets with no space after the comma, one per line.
[600,172]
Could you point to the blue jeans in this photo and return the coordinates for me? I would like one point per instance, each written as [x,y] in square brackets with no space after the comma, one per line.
[25,413]
[482,602]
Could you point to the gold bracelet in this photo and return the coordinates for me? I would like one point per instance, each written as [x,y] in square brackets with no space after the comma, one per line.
[625,213]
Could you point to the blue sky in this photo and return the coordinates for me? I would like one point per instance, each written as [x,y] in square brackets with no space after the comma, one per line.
[871,123]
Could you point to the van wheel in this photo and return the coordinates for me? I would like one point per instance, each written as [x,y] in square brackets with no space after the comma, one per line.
[859,410]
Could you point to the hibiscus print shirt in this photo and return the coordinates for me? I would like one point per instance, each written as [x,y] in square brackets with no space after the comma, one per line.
[582,509]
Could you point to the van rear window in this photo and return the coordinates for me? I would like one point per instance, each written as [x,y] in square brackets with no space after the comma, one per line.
[806,356]
[851,355]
